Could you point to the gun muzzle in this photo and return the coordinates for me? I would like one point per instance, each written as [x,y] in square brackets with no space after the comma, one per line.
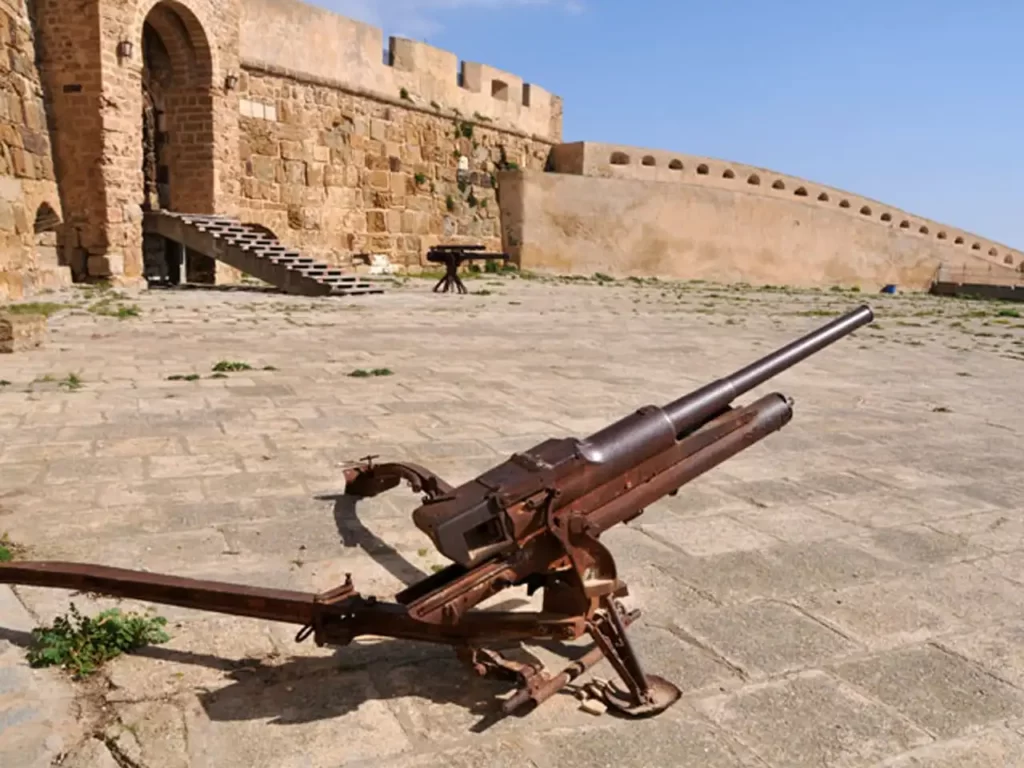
[651,430]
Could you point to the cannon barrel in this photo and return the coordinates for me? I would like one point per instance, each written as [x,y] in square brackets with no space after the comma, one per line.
[693,409]
[651,430]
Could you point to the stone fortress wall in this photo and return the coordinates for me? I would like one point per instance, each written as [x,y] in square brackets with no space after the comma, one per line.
[307,123]
[30,209]
[634,211]
[348,147]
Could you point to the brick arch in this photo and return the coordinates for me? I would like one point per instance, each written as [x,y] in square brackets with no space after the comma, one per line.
[184,24]
[174,39]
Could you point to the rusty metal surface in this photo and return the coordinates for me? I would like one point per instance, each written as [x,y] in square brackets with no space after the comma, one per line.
[534,520]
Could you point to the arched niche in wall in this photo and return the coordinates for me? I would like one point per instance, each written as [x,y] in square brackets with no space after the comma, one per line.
[800,192]
[675,165]
[886,216]
[778,184]
[823,197]
[728,174]
[754,180]
[702,169]
[619,158]
[865,210]
[648,160]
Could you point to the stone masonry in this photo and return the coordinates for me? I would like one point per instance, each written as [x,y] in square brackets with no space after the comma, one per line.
[29,203]
[336,174]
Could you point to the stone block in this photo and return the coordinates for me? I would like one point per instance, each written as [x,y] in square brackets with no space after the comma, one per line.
[7,221]
[21,332]
[295,172]
[293,150]
[394,221]
[264,168]
[376,221]
[107,265]
[315,174]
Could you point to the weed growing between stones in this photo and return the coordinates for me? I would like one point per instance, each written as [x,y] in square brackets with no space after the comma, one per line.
[360,373]
[82,644]
[45,308]
[71,382]
[226,366]
[8,549]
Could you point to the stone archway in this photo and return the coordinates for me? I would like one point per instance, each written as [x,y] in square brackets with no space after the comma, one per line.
[178,136]
[177,77]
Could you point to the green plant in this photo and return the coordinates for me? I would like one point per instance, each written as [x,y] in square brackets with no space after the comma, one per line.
[361,373]
[601,277]
[71,382]
[45,308]
[491,266]
[404,94]
[4,383]
[471,200]
[181,377]
[81,644]
[1008,313]
[8,549]
[225,366]
[467,130]
[420,178]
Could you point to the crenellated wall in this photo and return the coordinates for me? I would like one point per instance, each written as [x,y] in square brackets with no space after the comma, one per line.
[695,218]
[291,38]
[613,161]
[311,124]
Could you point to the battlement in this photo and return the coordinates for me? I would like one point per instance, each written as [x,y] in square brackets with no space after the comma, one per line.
[302,40]
[586,158]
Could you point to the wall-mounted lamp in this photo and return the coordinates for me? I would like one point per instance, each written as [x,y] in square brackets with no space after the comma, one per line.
[231,81]
[124,49]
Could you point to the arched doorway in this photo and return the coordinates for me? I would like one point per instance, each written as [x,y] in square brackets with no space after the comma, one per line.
[177,133]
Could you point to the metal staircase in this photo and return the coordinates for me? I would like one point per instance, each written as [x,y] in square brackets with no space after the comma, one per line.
[256,252]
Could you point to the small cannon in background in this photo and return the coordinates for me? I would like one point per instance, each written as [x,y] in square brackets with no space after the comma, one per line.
[534,520]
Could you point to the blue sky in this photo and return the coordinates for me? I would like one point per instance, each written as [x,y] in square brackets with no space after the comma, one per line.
[917,104]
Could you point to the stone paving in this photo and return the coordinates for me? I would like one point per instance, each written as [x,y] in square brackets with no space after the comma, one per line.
[847,593]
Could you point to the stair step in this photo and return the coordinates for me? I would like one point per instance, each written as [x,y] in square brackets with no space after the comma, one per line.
[302,275]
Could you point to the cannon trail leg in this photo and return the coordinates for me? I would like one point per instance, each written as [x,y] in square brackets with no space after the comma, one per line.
[647,695]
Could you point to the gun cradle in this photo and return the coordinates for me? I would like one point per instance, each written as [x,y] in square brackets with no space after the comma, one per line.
[534,520]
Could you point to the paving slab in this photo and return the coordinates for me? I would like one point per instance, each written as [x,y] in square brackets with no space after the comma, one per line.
[845,593]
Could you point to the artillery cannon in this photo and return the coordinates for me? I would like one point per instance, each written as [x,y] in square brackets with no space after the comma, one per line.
[534,520]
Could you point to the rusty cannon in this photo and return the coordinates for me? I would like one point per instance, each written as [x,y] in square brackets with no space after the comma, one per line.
[533,521]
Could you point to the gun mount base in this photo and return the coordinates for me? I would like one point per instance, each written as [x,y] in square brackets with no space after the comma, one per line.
[660,695]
